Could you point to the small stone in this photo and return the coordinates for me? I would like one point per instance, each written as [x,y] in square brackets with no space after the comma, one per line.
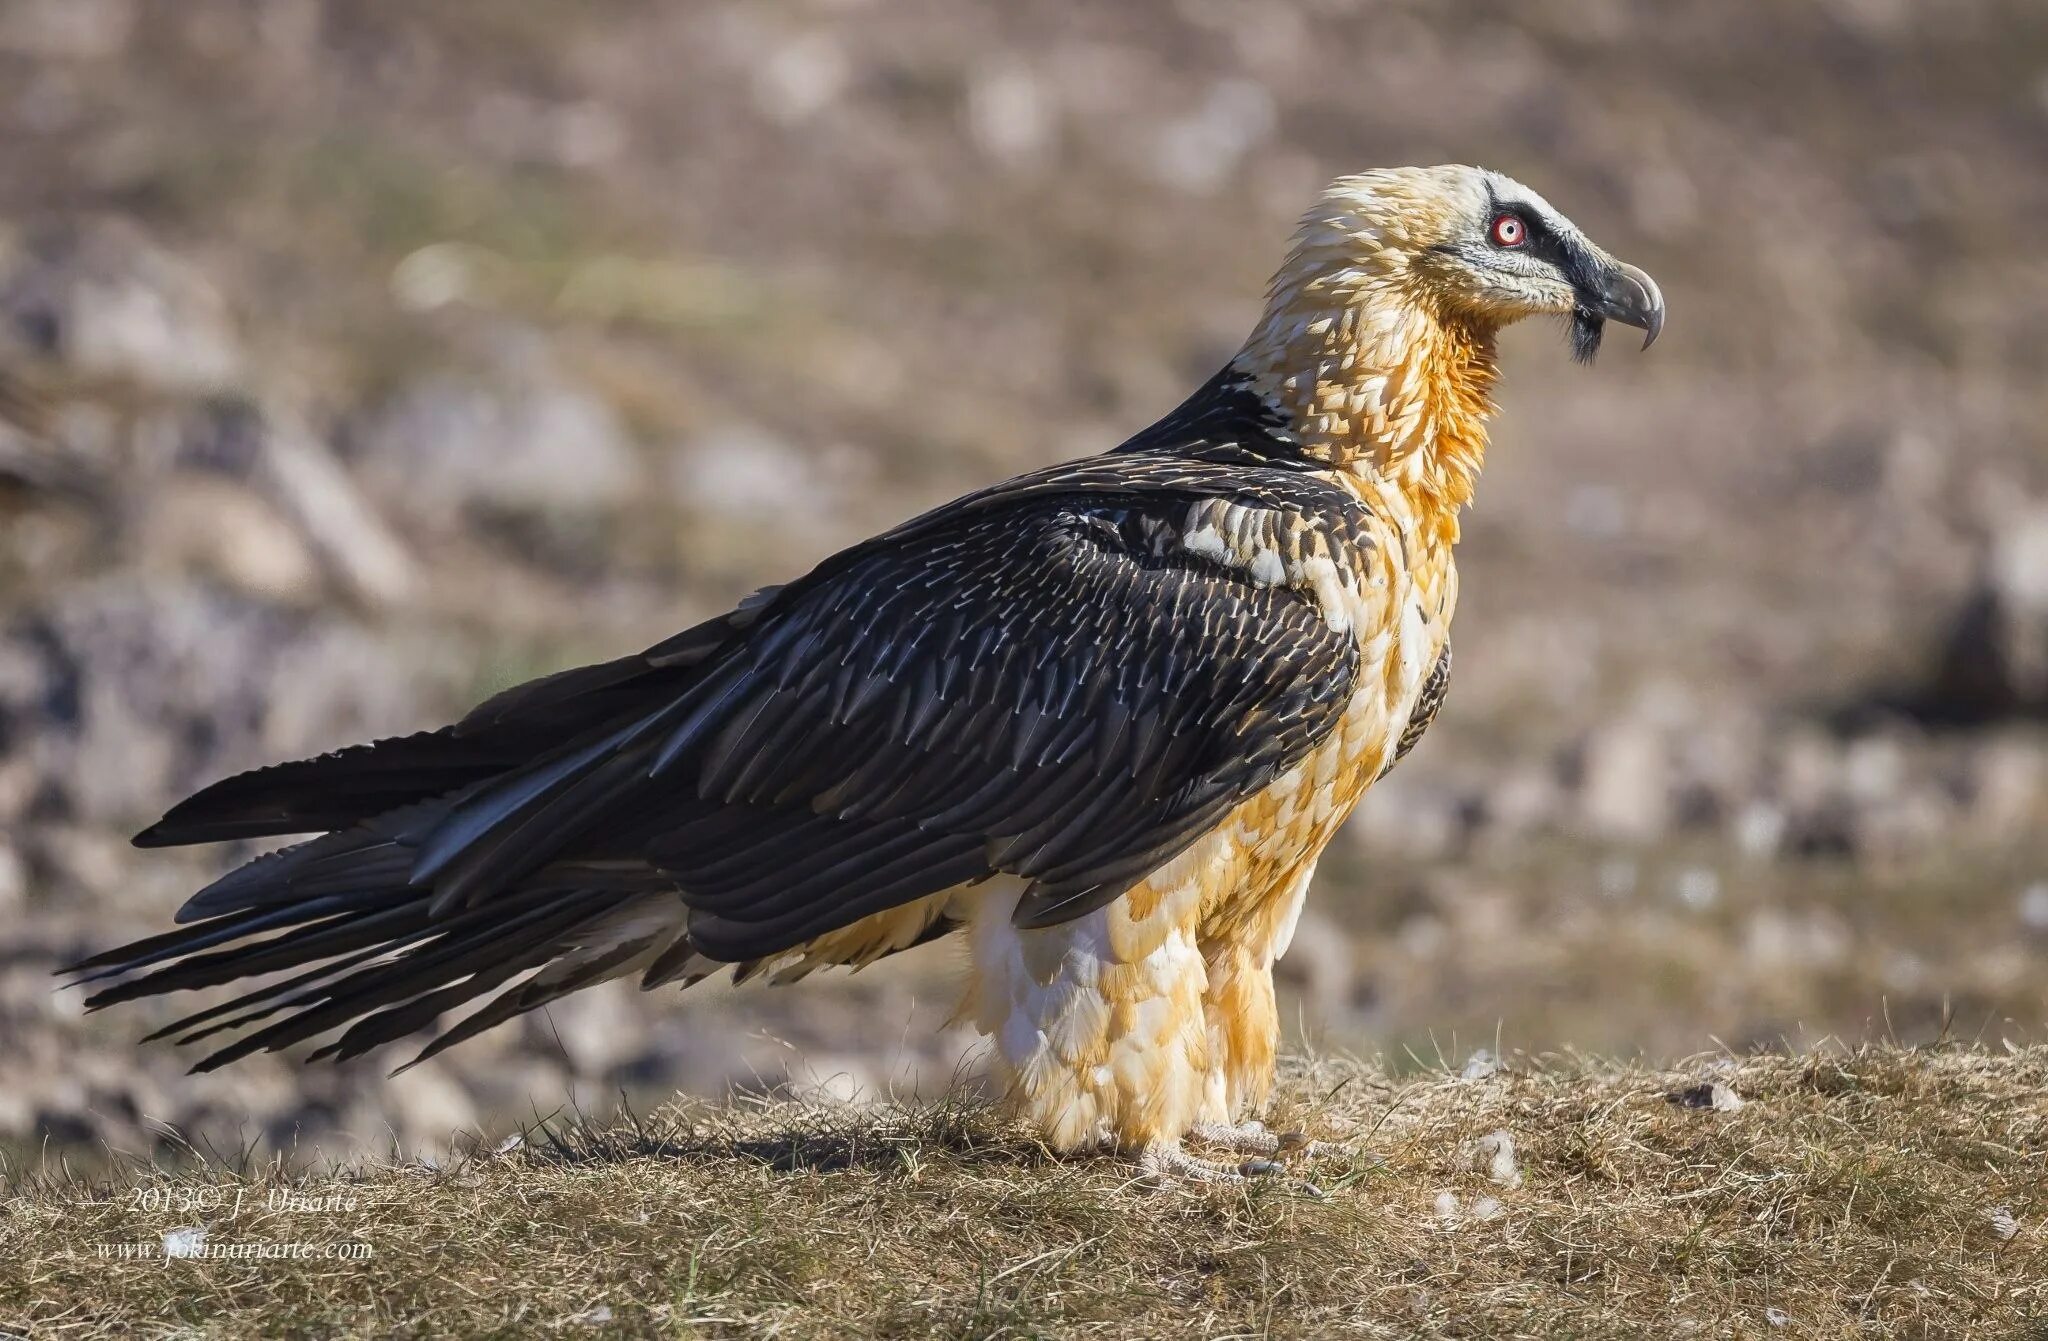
[1494,1155]
[835,1079]
[185,1241]
[227,533]
[802,77]
[1875,768]
[747,472]
[528,442]
[1760,829]
[1698,888]
[101,299]
[2008,780]
[1009,116]
[436,275]
[13,879]
[300,474]
[1709,1095]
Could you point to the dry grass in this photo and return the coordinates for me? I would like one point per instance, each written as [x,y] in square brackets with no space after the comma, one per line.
[1881,1192]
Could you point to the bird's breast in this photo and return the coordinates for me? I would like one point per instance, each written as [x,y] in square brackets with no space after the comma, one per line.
[1395,593]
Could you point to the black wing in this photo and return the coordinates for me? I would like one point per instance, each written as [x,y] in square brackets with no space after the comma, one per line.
[1063,696]
[1056,691]
[1037,680]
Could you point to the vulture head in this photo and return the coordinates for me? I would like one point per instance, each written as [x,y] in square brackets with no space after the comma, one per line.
[1472,247]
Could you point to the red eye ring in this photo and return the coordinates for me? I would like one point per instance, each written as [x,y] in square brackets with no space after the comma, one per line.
[1509,231]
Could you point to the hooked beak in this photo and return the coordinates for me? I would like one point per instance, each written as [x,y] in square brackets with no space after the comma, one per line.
[1625,294]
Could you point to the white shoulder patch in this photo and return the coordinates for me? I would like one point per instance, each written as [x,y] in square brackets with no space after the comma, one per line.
[1273,550]
[1208,543]
[1266,569]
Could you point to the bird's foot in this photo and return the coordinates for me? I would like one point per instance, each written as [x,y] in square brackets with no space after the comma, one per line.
[1168,1163]
[1252,1138]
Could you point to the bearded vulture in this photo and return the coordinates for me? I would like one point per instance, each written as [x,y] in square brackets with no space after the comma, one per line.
[1099,720]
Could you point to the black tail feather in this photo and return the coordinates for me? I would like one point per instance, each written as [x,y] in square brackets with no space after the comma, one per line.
[385,927]
[535,992]
[189,939]
[374,854]
[412,973]
[375,954]
[275,993]
[520,726]
[332,791]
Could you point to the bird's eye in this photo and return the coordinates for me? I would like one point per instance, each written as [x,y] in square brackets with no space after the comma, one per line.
[1509,231]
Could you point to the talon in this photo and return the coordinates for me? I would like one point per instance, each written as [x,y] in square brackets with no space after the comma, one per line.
[1166,1163]
[1246,1138]
[1169,1163]
[1252,1138]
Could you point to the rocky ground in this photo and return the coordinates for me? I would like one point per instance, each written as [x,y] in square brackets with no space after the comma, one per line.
[356,360]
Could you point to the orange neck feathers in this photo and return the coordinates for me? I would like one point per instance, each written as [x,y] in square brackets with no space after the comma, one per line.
[1378,378]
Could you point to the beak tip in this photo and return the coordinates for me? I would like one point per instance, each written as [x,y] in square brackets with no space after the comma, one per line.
[1634,298]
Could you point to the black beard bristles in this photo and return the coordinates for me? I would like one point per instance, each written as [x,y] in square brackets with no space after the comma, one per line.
[1586,332]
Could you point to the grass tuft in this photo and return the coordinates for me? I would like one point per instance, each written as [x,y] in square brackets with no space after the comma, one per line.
[1878,1192]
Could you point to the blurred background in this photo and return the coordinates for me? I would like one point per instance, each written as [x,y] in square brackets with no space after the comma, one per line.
[358,359]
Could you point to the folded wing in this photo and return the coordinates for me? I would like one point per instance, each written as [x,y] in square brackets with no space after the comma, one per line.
[1041,681]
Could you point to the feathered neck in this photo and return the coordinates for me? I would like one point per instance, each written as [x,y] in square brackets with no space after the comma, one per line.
[1374,376]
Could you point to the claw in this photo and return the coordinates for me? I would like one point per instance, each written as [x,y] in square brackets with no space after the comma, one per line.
[1166,1163]
[1170,1163]
[1252,1138]
[1245,1138]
